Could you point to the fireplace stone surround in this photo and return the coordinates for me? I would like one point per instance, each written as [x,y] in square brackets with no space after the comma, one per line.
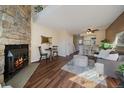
[15,28]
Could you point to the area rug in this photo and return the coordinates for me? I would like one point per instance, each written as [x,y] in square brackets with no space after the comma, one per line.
[85,76]
[21,78]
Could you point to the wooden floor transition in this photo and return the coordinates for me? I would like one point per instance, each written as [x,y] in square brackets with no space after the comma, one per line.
[50,75]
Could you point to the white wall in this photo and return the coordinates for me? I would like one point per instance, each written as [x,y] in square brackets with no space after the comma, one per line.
[36,33]
[65,43]
[61,38]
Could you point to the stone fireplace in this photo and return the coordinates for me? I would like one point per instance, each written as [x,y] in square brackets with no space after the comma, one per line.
[15,29]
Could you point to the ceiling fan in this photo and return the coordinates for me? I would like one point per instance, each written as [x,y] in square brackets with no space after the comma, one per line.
[39,8]
[91,30]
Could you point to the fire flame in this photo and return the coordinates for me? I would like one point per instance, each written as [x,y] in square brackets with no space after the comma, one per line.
[19,62]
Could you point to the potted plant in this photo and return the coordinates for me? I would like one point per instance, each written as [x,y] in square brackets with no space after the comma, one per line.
[105,44]
[121,69]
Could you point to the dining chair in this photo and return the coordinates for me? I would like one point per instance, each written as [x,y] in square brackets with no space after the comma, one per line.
[42,55]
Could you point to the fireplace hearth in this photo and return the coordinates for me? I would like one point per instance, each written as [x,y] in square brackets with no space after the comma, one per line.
[16,58]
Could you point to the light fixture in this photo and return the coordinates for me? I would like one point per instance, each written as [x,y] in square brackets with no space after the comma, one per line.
[89,32]
[38,8]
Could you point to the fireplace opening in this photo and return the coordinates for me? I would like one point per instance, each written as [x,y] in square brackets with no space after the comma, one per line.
[16,58]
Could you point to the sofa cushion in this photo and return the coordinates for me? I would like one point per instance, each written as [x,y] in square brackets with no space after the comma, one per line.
[113,57]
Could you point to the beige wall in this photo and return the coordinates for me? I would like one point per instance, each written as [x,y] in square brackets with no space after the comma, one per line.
[116,27]
[36,32]
[100,35]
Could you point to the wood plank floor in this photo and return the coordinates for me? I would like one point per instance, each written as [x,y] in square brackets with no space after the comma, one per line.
[50,75]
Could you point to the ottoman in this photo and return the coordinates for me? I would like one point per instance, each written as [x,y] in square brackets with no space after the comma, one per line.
[79,60]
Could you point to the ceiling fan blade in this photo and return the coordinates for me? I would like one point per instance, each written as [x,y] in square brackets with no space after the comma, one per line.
[89,29]
[95,30]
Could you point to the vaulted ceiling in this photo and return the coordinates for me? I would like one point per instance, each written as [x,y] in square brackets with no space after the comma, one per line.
[78,18]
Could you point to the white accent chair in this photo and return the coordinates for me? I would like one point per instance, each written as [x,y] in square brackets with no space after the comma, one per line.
[79,60]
